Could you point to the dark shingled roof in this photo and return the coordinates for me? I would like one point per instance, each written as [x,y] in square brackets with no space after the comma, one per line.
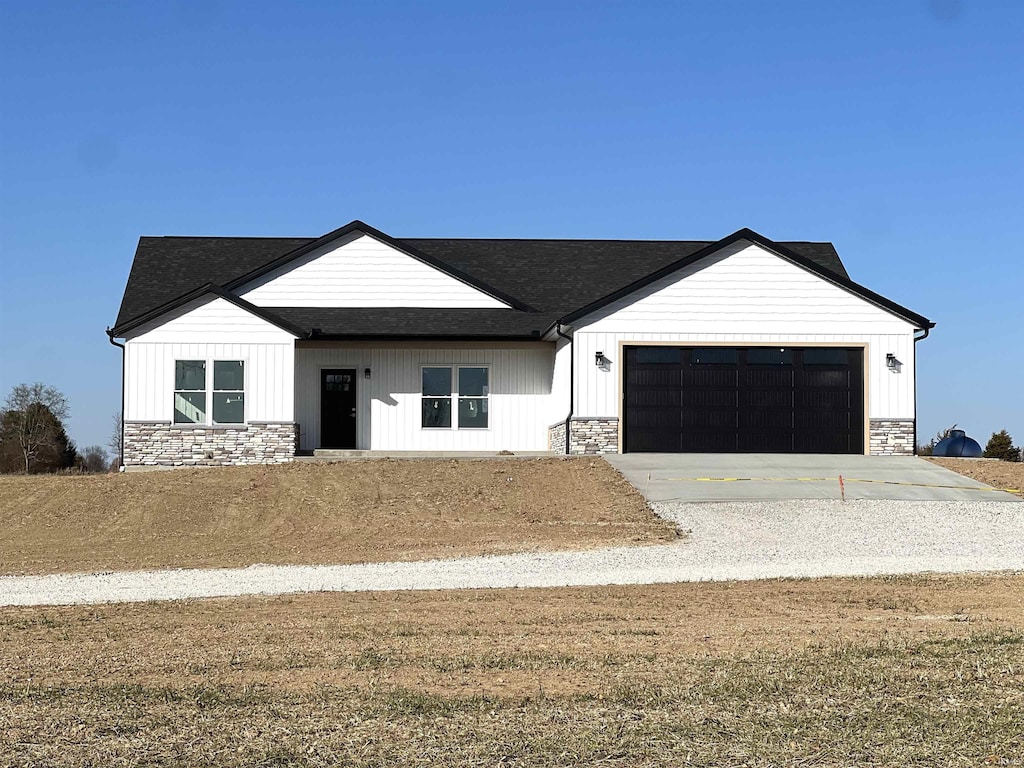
[545,281]
[168,267]
[554,277]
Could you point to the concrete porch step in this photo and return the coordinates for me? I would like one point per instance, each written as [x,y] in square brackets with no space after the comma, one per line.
[334,454]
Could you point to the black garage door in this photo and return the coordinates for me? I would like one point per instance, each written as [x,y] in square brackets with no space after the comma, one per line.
[744,400]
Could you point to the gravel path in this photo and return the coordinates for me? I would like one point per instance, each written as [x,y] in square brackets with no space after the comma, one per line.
[725,541]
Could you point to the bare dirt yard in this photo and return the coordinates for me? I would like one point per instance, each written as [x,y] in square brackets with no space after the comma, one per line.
[998,474]
[312,513]
[895,671]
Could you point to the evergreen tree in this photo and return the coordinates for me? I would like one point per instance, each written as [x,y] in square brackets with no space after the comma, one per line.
[1000,446]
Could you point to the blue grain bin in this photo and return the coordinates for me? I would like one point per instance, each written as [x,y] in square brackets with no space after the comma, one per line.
[958,445]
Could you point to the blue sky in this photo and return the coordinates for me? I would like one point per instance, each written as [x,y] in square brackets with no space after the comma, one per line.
[893,129]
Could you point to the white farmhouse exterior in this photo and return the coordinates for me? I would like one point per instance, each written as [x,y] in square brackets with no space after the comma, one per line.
[248,350]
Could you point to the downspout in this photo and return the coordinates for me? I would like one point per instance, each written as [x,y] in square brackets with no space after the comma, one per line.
[120,458]
[572,369]
[917,339]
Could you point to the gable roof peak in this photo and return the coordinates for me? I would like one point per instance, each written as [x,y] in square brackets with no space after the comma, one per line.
[358,226]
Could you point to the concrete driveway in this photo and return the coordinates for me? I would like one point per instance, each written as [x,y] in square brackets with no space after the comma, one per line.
[778,477]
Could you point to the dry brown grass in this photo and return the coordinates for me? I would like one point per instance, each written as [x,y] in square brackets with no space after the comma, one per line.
[998,474]
[901,671]
[346,512]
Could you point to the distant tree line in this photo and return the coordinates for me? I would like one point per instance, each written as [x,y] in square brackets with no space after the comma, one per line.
[33,437]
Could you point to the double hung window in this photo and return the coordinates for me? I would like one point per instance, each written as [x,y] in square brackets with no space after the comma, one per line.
[190,392]
[468,390]
[437,398]
[194,388]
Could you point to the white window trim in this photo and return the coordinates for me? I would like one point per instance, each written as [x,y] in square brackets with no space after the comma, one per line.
[209,390]
[455,397]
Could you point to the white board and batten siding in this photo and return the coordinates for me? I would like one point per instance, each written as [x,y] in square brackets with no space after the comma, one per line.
[361,271]
[745,295]
[388,415]
[210,329]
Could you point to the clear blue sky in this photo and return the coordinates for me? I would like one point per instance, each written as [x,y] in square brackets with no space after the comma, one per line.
[893,129]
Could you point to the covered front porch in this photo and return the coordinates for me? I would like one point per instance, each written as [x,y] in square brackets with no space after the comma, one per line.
[423,396]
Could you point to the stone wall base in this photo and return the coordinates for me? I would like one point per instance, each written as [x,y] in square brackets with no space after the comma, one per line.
[891,437]
[588,436]
[556,437]
[159,444]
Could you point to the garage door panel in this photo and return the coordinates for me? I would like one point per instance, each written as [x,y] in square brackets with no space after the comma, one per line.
[702,441]
[819,378]
[649,418]
[822,420]
[826,442]
[709,377]
[829,400]
[765,441]
[709,398]
[660,440]
[766,418]
[766,400]
[767,377]
[704,419]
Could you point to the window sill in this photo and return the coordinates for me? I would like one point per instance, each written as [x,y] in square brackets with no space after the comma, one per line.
[187,425]
[455,429]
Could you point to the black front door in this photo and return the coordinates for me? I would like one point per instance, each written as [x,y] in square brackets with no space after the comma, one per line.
[338,408]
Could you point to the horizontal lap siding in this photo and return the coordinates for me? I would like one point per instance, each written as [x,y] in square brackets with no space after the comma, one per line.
[362,272]
[388,415]
[746,296]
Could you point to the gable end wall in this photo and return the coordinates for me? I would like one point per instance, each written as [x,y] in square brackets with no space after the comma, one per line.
[361,271]
[745,295]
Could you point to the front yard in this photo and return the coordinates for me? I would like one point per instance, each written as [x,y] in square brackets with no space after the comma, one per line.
[311,513]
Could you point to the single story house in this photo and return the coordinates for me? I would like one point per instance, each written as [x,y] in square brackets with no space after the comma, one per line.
[249,350]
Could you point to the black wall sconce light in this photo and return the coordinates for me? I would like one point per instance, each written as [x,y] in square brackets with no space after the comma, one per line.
[599,359]
[891,362]
[366,373]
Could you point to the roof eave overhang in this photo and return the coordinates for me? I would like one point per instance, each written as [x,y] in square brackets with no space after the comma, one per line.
[421,337]
[918,321]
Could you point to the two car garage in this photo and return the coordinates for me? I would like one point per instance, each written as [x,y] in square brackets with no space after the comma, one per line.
[743,399]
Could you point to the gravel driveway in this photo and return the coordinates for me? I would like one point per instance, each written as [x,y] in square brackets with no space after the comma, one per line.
[725,541]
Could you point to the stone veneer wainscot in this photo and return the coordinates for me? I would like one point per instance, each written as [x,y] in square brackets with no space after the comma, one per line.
[891,437]
[588,436]
[162,444]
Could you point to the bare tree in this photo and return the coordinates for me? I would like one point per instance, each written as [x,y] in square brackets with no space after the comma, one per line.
[93,458]
[115,442]
[33,419]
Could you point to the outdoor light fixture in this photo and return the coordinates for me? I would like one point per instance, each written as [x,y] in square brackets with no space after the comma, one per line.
[599,359]
[891,362]
[366,373]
